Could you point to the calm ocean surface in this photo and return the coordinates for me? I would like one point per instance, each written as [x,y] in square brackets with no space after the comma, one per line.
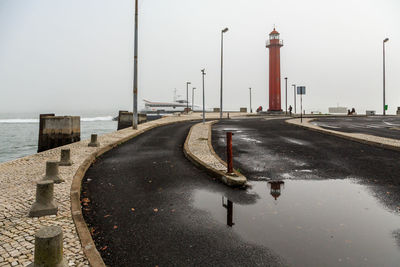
[19,132]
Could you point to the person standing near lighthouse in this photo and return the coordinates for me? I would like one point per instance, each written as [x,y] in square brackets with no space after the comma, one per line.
[274,45]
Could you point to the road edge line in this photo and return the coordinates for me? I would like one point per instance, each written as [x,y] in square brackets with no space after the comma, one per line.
[315,128]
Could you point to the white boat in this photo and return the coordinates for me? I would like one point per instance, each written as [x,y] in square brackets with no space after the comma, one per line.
[169,107]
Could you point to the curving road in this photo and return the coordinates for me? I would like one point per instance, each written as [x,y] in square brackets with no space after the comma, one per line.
[313,200]
[140,203]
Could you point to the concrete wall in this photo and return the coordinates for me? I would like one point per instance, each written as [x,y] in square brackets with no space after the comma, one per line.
[125,119]
[55,131]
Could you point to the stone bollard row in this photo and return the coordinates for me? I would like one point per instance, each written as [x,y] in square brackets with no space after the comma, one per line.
[49,248]
[93,141]
[44,204]
[52,172]
[65,159]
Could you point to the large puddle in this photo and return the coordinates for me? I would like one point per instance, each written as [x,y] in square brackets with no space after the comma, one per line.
[312,223]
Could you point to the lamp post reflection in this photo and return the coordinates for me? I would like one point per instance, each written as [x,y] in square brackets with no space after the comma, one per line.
[229,214]
[276,188]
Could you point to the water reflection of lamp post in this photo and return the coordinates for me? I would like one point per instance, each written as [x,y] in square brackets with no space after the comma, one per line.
[275,187]
[229,215]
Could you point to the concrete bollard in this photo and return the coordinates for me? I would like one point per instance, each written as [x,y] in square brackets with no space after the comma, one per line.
[52,172]
[65,157]
[44,204]
[49,248]
[93,141]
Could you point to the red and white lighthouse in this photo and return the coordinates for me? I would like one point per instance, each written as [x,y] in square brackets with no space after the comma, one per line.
[274,44]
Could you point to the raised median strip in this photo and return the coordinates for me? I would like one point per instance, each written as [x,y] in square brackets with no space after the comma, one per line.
[383,142]
[199,150]
[18,179]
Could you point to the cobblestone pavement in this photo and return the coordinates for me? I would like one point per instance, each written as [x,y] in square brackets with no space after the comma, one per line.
[198,146]
[17,193]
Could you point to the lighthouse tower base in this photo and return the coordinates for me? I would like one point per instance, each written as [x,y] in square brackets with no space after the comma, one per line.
[272,112]
[275,112]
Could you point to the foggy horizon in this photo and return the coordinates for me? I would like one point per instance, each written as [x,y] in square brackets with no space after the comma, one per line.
[75,56]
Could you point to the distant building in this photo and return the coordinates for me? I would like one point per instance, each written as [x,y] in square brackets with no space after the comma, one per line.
[338,110]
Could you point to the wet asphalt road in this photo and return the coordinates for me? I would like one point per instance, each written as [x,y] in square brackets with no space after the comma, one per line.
[138,203]
[272,149]
[388,126]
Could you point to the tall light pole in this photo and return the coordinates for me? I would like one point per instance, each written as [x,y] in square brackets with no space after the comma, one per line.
[294,95]
[135,70]
[194,88]
[286,95]
[251,110]
[384,78]
[187,97]
[204,99]
[222,65]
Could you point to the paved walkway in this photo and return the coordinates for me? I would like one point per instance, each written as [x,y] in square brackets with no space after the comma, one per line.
[17,193]
[358,137]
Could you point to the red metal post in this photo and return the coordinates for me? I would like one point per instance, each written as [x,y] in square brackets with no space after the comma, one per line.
[229,151]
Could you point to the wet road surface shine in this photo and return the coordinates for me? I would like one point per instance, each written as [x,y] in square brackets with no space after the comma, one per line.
[315,221]
[388,126]
[138,202]
[147,205]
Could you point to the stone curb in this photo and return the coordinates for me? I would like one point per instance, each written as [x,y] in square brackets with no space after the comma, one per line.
[377,141]
[238,180]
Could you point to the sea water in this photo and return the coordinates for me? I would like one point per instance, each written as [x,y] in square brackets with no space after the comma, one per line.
[19,132]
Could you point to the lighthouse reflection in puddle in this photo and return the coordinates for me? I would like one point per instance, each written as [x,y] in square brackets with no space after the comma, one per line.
[276,188]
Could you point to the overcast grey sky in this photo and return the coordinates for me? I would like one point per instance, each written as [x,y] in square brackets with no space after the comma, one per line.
[78,55]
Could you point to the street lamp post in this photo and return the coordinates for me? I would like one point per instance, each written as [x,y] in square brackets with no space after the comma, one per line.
[251,110]
[194,88]
[222,65]
[187,97]
[135,69]
[204,99]
[384,77]
[294,95]
[286,95]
